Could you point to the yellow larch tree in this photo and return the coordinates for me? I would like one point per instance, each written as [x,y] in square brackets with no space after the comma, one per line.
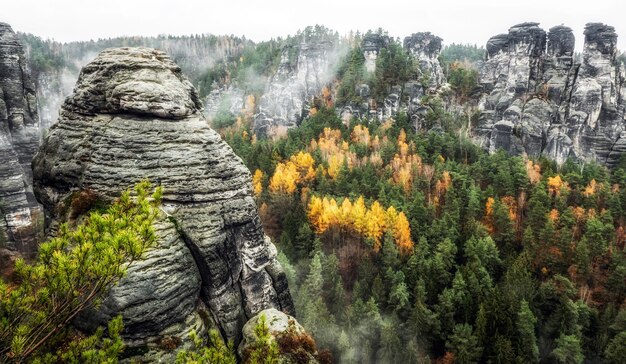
[534,171]
[284,179]
[556,184]
[325,213]
[257,182]
[402,234]
[591,188]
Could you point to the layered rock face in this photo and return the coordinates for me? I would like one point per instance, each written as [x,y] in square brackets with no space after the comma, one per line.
[287,97]
[540,101]
[425,47]
[21,217]
[134,116]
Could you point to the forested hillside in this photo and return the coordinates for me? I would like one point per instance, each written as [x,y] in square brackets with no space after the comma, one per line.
[403,246]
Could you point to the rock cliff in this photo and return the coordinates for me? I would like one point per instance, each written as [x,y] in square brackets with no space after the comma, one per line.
[21,217]
[134,116]
[539,101]
[303,72]
[425,47]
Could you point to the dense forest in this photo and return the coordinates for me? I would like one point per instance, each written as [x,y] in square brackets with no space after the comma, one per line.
[403,246]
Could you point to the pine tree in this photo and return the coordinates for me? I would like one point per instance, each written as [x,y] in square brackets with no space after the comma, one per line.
[526,320]
[73,271]
[464,344]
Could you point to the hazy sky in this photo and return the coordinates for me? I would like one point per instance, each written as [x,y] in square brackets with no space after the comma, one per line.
[460,21]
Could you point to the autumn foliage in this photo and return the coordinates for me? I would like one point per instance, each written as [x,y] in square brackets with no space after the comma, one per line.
[368,222]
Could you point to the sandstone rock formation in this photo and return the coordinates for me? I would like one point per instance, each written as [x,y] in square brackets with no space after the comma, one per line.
[371,46]
[279,324]
[21,217]
[288,95]
[538,100]
[425,48]
[134,116]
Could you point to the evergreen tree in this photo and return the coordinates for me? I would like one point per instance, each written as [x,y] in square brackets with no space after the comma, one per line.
[526,321]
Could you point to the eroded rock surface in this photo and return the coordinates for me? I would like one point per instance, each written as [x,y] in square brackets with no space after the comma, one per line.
[134,116]
[304,70]
[539,101]
[21,217]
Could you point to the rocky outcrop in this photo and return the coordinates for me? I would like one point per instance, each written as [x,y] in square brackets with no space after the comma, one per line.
[21,217]
[539,101]
[134,116]
[371,45]
[425,47]
[407,97]
[294,344]
[303,72]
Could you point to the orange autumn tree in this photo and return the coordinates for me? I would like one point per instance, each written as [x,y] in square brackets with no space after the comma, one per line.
[373,222]
[298,170]
[556,184]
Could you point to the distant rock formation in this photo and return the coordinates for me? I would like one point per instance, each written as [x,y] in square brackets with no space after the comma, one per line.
[21,217]
[425,48]
[371,46]
[134,116]
[303,72]
[539,101]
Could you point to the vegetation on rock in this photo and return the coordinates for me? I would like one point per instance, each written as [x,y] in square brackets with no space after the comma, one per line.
[72,272]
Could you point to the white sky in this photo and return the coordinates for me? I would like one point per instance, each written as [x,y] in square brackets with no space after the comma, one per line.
[459,21]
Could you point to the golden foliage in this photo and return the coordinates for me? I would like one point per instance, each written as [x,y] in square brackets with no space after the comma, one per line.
[579,213]
[534,171]
[257,182]
[553,215]
[556,184]
[334,150]
[298,170]
[591,188]
[511,204]
[284,179]
[360,135]
[372,222]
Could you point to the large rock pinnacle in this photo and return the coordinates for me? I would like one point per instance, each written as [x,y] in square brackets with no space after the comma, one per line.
[133,116]
[539,101]
[21,217]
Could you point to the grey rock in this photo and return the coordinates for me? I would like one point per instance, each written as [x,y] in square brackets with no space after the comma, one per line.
[569,110]
[425,47]
[371,46]
[21,222]
[277,323]
[290,91]
[134,116]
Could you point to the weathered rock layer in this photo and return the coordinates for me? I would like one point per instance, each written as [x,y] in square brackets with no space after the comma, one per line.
[134,116]
[539,101]
[21,217]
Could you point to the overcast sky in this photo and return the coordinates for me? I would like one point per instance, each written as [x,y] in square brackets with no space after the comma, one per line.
[459,21]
